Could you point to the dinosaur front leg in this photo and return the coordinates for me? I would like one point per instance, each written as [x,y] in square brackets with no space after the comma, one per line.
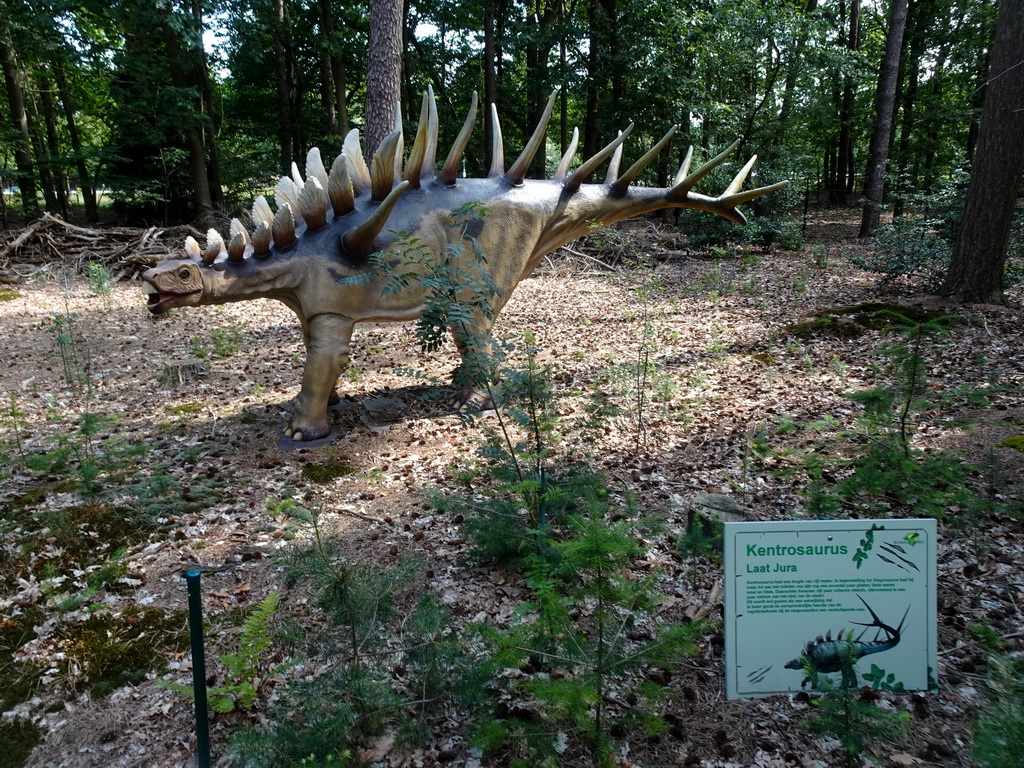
[327,349]
[475,376]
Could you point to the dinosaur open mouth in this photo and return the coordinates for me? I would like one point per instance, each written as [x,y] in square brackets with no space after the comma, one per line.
[155,300]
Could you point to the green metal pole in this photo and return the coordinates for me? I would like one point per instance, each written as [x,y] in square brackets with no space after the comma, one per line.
[195,623]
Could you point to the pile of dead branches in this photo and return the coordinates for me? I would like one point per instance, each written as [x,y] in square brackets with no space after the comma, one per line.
[50,242]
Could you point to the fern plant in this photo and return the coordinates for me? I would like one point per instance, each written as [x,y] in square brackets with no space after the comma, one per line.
[245,672]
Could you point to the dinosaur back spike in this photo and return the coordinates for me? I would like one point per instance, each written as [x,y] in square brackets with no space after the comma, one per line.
[517,172]
[563,166]
[192,249]
[630,175]
[287,194]
[451,164]
[296,176]
[237,245]
[359,240]
[580,174]
[261,239]
[497,146]
[383,175]
[261,213]
[430,156]
[214,246]
[339,187]
[283,228]
[313,204]
[400,146]
[315,167]
[357,169]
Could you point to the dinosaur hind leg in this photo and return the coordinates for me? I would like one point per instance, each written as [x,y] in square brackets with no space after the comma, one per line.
[475,378]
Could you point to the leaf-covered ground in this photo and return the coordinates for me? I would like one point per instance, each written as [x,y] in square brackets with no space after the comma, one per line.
[114,485]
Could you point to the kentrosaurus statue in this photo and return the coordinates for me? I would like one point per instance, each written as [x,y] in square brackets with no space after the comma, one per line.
[314,253]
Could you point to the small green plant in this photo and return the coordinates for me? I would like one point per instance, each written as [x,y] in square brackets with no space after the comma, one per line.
[100,281]
[999,728]
[842,711]
[245,670]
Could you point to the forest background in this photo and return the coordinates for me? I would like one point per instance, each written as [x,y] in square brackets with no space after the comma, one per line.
[175,111]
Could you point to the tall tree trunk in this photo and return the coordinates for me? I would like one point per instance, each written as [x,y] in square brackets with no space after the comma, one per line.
[53,153]
[84,178]
[591,130]
[885,106]
[201,200]
[23,140]
[844,170]
[211,125]
[43,158]
[383,72]
[490,81]
[328,91]
[979,255]
[280,24]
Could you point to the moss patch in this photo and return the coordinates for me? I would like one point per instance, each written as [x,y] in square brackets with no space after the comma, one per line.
[327,471]
[1016,442]
[8,294]
[19,738]
[851,322]
[114,650]
[184,408]
[17,680]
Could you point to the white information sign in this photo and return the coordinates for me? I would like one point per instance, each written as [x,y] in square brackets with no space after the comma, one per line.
[826,590]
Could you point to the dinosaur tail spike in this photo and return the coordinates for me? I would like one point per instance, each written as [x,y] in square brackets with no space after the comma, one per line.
[737,182]
[731,201]
[580,174]
[214,246]
[315,167]
[517,172]
[261,213]
[684,169]
[400,145]
[430,156]
[359,240]
[563,166]
[192,249]
[287,194]
[630,175]
[451,164]
[383,174]
[613,166]
[261,239]
[357,169]
[688,182]
[497,147]
[339,187]
[418,154]
[313,204]
[283,228]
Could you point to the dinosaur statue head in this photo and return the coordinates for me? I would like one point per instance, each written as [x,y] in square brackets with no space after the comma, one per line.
[177,283]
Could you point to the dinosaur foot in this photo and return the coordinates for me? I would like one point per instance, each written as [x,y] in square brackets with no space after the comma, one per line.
[289,443]
[473,402]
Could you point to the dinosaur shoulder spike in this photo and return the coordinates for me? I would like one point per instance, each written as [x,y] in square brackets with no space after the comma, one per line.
[313,204]
[283,227]
[315,167]
[382,178]
[261,212]
[357,169]
[451,165]
[517,172]
[417,156]
[261,239]
[580,174]
[497,146]
[563,166]
[684,168]
[630,175]
[613,166]
[214,246]
[192,249]
[688,182]
[359,240]
[287,194]
[339,187]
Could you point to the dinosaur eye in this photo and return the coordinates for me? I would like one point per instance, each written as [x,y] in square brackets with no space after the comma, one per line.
[184,273]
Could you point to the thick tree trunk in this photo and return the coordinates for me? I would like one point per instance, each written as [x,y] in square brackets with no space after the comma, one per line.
[383,72]
[53,153]
[591,131]
[283,82]
[211,125]
[885,107]
[23,140]
[979,255]
[84,178]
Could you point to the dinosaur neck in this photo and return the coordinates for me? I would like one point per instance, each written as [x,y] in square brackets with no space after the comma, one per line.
[276,277]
